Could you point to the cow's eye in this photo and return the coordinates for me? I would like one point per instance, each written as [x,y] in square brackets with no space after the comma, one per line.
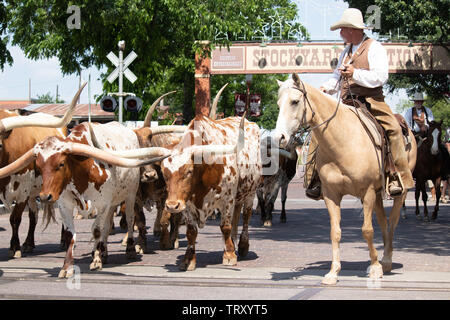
[61,164]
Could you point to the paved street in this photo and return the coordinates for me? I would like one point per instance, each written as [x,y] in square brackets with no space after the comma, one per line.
[285,262]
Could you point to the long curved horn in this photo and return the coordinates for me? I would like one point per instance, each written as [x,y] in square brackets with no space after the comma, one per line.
[212,113]
[98,154]
[148,116]
[41,120]
[168,129]
[19,164]
[226,149]
[94,140]
[142,153]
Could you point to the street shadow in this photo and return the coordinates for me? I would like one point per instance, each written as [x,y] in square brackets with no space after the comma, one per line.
[312,225]
[321,268]
[41,249]
[210,258]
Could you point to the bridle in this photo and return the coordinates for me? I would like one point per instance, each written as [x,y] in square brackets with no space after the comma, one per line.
[302,129]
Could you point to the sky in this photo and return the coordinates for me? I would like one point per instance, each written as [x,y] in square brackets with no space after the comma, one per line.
[46,75]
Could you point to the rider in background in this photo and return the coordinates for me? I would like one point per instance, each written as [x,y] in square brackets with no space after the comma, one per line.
[418,117]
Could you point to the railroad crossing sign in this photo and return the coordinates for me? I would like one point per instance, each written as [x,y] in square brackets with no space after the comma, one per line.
[126,72]
[120,71]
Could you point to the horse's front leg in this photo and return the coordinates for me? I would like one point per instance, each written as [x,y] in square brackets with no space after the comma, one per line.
[375,269]
[437,187]
[416,197]
[334,210]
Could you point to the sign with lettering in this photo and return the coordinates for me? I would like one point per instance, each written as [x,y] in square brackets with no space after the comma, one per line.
[322,58]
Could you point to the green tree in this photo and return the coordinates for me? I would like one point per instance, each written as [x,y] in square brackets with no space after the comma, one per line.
[162,33]
[46,98]
[413,20]
[5,56]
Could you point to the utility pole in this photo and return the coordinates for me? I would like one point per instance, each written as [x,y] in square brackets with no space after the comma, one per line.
[56,99]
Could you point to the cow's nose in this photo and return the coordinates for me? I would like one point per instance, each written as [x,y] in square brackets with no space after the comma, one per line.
[175,206]
[150,176]
[45,197]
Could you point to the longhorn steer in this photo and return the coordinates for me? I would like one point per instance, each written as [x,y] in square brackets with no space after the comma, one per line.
[23,186]
[277,177]
[74,172]
[199,181]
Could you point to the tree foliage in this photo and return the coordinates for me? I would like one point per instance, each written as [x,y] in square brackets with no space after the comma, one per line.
[162,33]
[46,98]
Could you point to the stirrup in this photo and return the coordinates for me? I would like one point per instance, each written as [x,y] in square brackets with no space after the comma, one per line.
[398,176]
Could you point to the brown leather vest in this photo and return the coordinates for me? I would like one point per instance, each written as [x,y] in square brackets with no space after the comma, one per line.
[360,60]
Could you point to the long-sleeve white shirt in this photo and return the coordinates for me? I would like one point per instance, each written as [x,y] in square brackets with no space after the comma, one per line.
[408,115]
[376,76]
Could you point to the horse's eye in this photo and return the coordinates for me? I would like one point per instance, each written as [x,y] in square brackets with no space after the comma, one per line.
[61,164]
[294,102]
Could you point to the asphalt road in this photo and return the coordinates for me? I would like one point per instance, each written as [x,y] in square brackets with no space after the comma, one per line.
[285,262]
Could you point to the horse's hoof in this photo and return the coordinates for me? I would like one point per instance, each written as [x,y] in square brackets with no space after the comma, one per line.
[267,223]
[375,271]
[176,244]
[139,249]
[426,219]
[282,220]
[329,279]
[131,254]
[96,264]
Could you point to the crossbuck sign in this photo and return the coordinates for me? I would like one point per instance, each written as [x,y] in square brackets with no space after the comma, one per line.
[120,71]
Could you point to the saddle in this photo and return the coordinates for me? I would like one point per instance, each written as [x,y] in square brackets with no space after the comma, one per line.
[378,136]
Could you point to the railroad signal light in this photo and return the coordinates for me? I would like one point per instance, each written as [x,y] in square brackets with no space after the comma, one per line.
[108,104]
[133,104]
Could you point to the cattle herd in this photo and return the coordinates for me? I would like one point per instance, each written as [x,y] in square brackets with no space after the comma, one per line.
[188,172]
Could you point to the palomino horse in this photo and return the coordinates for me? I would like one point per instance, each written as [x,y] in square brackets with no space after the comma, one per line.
[430,166]
[347,163]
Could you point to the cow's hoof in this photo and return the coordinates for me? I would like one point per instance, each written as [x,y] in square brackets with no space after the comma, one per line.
[229,260]
[96,265]
[14,254]
[26,248]
[267,223]
[62,273]
[187,265]
[426,219]
[139,249]
[330,279]
[282,220]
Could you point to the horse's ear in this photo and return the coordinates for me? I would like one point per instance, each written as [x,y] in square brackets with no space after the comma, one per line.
[296,79]
[280,83]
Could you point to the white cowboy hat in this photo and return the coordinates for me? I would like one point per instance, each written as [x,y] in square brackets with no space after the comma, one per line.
[418,96]
[351,18]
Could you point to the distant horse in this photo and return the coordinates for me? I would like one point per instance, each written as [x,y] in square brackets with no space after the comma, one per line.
[430,165]
[347,163]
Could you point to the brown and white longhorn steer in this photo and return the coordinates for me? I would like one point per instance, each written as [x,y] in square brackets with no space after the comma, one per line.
[199,181]
[24,186]
[73,172]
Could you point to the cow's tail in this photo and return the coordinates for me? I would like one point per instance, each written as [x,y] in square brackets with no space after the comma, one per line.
[49,214]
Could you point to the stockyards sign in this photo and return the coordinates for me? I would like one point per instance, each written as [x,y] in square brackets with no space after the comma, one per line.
[322,58]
